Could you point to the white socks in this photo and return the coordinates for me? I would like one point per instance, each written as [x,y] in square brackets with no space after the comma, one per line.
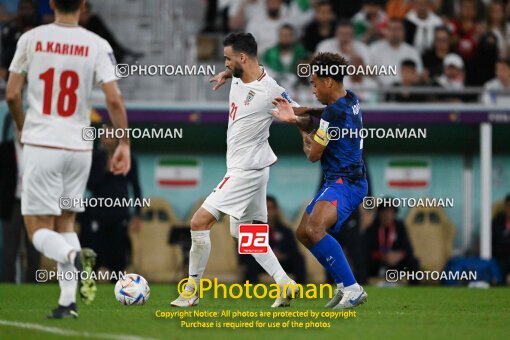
[68,287]
[272,266]
[198,255]
[52,245]
[355,287]
[59,247]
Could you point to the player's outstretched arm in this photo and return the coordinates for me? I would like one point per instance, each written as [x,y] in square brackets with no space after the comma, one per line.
[121,160]
[283,111]
[220,79]
[299,116]
[13,98]
[304,111]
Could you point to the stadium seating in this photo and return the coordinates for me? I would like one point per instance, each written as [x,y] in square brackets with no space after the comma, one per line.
[152,255]
[431,233]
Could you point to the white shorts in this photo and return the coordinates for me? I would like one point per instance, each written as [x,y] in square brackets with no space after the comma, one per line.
[48,175]
[240,194]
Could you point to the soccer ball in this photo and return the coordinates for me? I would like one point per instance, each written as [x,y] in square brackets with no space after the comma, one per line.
[132,289]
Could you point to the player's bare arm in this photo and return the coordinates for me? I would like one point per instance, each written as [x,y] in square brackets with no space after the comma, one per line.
[13,98]
[308,111]
[121,160]
[299,116]
[313,150]
[220,79]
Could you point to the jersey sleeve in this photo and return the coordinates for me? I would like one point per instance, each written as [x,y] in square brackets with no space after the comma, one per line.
[275,90]
[20,62]
[321,135]
[329,127]
[104,71]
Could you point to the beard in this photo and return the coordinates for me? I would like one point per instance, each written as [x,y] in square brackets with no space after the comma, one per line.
[285,46]
[273,13]
[237,72]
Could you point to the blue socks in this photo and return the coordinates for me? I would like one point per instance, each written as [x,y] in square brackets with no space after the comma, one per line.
[329,253]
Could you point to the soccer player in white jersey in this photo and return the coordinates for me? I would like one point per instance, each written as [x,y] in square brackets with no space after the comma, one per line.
[241,194]
[61,62]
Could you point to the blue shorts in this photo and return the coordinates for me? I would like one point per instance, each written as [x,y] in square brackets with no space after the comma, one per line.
[342,194]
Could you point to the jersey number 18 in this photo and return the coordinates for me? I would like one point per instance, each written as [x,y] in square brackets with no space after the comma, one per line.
[67,98]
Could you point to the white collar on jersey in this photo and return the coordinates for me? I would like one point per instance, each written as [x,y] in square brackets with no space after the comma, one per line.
[65,25]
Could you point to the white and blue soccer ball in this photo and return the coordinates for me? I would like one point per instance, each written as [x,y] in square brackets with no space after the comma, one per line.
[132,289]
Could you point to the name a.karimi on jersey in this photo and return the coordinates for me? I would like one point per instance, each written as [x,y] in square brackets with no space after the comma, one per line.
[62,48]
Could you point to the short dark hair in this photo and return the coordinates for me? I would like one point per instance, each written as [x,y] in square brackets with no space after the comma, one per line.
[241,42]
[67,6]
[408,62]
[343,23]
[288,27]
[373,2]
[325,62]
[323,3]
[444,29]
[505,61]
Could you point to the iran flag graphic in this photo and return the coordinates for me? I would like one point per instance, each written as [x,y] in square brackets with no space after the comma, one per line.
[181,173]
[408,174]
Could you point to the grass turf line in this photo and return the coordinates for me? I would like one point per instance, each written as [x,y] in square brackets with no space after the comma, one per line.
[395,313]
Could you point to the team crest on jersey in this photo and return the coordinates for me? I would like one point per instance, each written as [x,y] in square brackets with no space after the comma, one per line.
[286,96]
[249,98]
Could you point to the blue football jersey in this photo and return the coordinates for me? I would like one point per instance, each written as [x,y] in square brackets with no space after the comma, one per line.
[339,130]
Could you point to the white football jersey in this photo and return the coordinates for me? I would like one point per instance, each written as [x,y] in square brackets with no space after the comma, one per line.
[62,64]
[249,121]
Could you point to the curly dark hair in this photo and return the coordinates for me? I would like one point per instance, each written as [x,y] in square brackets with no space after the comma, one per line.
[329,65]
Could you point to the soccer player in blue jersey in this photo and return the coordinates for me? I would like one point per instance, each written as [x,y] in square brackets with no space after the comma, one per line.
[340,153]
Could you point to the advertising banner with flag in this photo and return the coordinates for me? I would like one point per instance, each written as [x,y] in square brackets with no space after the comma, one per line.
[174,172]
[408,174]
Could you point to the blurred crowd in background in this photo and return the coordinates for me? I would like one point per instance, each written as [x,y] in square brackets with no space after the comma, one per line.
[444,50]
[446,44]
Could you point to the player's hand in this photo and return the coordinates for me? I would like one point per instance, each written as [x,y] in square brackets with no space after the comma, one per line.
[308,139]
[283,111]
[121,160]
[220,79]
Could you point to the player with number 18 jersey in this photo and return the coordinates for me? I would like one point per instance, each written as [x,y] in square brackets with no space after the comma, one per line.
[61,63]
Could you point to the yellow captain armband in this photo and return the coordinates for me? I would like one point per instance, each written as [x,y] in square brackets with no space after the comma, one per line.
[321,136]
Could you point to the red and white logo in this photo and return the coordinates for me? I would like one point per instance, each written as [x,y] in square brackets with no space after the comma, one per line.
[253,239]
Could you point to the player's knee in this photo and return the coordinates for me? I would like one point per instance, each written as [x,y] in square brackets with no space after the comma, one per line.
[301,236]
[314,232]
[202,220]
[197,222]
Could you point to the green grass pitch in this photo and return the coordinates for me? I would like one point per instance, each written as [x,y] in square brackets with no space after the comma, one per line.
[390,313]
